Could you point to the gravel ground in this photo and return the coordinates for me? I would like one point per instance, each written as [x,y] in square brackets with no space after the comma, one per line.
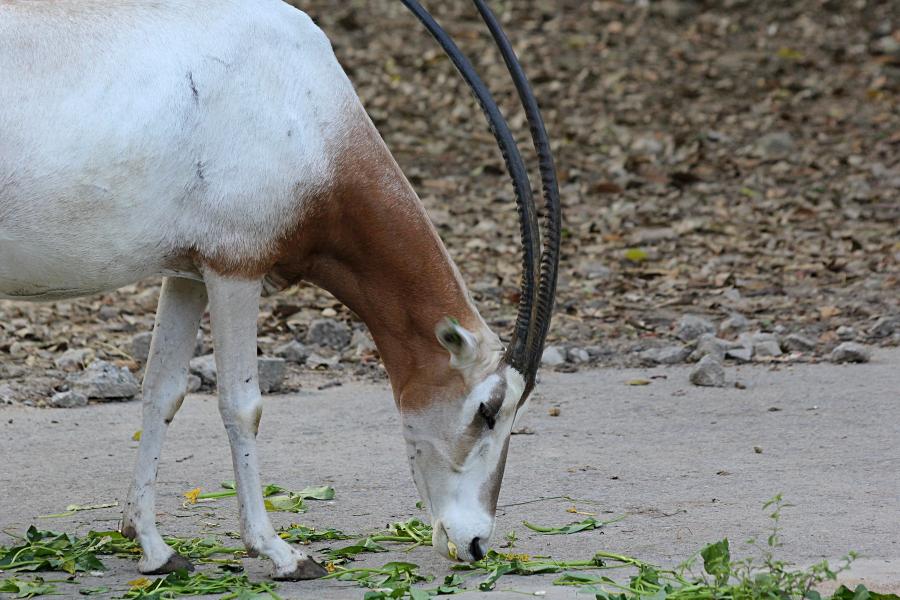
[715,158]
[685,465]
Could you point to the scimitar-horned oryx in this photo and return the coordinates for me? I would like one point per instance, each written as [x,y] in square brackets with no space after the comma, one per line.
[220,144]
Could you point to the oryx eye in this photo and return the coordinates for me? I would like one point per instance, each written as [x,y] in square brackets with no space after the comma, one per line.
[488,415]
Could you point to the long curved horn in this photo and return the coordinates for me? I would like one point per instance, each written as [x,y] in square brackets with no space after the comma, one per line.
[517,355]
[550,251]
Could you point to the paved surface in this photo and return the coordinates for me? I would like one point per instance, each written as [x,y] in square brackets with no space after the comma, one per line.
[686,465]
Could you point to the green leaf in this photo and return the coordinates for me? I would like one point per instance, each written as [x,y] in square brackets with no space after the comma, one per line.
[717,561]
[26,589]
[285,503]
[322,492]
[588,524]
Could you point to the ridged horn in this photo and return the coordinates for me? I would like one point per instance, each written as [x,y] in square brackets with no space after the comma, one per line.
[517,355]
[550,251]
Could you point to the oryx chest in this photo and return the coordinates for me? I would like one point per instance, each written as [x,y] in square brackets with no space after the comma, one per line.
[135,139]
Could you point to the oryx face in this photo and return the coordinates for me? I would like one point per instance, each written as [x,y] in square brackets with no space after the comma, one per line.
[457,432]
[457,443]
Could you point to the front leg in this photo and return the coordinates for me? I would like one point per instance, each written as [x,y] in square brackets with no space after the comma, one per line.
[181,303]
[233,310]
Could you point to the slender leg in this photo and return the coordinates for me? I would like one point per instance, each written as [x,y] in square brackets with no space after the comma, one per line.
[181,303]
[233,309]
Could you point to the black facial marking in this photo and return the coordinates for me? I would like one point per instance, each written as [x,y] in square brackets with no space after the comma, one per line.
[488,416]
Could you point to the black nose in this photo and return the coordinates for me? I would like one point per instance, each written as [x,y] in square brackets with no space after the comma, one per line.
[476,550]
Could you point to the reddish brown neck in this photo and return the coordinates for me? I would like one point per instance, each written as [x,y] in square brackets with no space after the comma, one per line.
[369,242]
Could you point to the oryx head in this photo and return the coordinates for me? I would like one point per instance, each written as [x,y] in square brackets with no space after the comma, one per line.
[458,426]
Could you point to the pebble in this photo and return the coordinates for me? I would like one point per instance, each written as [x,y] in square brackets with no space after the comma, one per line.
[271,373]
[140,346]
[8,394]
[740,353]
[74,359]
[710,345]
[734,324]
[884,327]
[691,327]
[851,352]
[70,399]
[667,355]
[293,351]
[362,344]
[553,356]
[708,373]
[578,356]
[204,367]
[329,333]
[104,380]
[846,334]
[798,343]
[767,348]
[318,361]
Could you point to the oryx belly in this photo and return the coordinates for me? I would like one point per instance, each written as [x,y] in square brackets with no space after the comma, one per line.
[132,134]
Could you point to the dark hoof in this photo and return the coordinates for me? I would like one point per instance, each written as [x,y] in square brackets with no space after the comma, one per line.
[129,532]
[306,569]
[176,562]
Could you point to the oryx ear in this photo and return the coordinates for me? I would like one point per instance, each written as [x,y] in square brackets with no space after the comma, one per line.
[459,342]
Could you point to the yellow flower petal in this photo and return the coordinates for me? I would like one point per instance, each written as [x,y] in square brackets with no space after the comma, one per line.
[191,496]
[141,582]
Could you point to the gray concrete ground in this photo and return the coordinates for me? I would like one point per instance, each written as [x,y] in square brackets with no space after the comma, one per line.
[685,465]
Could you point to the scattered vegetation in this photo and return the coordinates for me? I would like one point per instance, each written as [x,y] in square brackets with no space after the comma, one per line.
[711,574]
[276,498]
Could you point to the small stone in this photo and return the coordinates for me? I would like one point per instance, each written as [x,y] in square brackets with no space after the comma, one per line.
[740,353]
[884,327]
[107,313]
[194,384]
[887,45]
[553,411]
[329,333]
[8,394]
[140,346]
[205,368]
[293,351]
[318,361]
[845,334]
[74,359]
[798,343]
[667,355]
[734,324]
[851,352]
[329,312]
[104,380]
[775,145]
[70,399]
[362,344]
[708,373]
[691,327]
[710,345]
[578,356]
[271,373]
[595,270]
[767,348]
[553,356]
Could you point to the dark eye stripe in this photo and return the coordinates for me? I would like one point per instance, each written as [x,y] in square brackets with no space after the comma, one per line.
[489,417]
